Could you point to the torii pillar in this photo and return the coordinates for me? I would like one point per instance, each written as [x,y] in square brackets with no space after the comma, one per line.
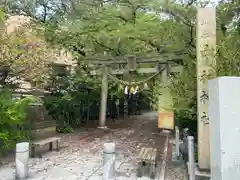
[206,48]
[104,95]
[165,103]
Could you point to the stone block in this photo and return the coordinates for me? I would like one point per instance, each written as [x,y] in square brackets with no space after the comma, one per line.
[224,116]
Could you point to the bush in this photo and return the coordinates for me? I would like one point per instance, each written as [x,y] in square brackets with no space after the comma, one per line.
[70,109]
[59,107]
[66,129]
[183,122]
[13,115]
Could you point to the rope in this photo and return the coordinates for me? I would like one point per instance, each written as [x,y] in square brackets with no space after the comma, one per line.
[107,165]
[133,83]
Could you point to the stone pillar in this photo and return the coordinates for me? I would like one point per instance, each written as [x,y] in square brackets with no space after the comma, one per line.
[165,103]
[191,159]
[177,141]
[164,75]
[21,160]
[206,47]
[109,161]
[104,94]
[224,116]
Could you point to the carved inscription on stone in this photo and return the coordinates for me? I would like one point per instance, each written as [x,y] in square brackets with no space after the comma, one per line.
[204,97]
[204,118]
[206,48]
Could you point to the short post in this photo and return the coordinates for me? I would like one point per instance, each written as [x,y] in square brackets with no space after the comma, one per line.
[191,160]
[21,159]
[109,161]
[177,141]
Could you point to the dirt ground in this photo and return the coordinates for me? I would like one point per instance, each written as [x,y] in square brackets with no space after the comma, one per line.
[80,155]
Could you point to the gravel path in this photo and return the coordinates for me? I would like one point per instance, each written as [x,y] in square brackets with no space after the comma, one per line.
[81,158]
[175,172]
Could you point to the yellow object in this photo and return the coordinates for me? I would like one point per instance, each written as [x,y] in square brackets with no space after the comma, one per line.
[166,120]
[132,90]
[165,110]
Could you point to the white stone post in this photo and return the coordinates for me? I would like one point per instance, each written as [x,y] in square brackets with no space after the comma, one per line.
[191,159]
[109,161]
[177,141]
[224,116]
[21,160]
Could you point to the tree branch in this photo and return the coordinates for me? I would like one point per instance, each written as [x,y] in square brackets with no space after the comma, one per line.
[158,48]
[191,42]
[178,17]
[117,52]
[79,51]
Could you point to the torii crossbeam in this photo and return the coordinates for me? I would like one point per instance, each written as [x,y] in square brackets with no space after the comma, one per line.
[164,64]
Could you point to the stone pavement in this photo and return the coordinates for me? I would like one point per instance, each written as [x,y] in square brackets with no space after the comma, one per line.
[81,158]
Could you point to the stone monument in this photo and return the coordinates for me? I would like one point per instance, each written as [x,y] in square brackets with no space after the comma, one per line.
[224,116]
[206,47]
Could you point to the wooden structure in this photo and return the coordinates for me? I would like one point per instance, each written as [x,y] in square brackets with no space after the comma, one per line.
[206,48]
[43,142]
[166,120]
[110,66]
[147,157]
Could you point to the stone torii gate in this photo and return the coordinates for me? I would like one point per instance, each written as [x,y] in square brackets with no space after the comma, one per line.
[163,64]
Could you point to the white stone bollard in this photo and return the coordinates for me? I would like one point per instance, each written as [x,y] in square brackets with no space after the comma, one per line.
[177,141]
[224,119]
[109,161]
[21,159]
[191,159]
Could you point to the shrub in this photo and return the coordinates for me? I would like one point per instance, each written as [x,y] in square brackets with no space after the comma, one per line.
[66,129]
[13,113]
